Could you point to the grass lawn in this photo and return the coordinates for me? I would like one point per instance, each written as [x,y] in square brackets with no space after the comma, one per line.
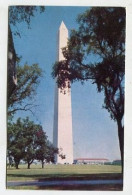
[64,172]
[50,171]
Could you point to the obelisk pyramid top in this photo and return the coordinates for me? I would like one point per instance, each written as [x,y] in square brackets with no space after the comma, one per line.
[62,26]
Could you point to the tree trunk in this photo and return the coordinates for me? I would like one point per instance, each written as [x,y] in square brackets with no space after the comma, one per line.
[42,164]
[16,165]
[29,165]
[121,141]
[16,162]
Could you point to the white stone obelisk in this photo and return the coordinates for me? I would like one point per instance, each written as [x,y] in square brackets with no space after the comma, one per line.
[62,130]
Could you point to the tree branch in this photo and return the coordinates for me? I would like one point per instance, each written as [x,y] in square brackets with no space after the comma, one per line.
[25,108]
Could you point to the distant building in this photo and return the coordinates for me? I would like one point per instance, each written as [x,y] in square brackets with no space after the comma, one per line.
[91,161]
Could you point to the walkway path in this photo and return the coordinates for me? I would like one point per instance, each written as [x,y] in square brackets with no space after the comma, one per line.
[64,183]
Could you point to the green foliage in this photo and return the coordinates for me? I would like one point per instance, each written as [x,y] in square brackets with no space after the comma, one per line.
[27,141]
[101,34]
[28,78]
[41,150]
[30,131]
[46,152]
[15,141]
[18,14]
[116,162]
[51,151]
[24,138]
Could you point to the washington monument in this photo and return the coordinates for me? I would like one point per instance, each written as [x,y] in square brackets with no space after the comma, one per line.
[62,130]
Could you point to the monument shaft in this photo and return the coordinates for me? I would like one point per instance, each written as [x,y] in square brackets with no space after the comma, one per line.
[62,132]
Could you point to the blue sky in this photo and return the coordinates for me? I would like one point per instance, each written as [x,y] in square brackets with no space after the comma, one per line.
[94,133]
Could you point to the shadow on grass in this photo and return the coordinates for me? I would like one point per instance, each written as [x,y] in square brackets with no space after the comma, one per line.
[52,177]
[97,187]
[73,177]
[108,187]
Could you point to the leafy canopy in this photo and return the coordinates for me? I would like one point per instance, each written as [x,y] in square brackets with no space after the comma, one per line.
[18,14]
[28,78]
[22,80]
[23,140]
[101,34]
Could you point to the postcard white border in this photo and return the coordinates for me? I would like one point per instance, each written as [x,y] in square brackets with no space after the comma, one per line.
[128,88]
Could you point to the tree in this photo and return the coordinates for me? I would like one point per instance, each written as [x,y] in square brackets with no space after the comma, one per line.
[30,130]
[46,152]
[24,138]
[41,154]
[101,34]
[17,14]
[15,142]
[27,141]
[28,79]
[41,146]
